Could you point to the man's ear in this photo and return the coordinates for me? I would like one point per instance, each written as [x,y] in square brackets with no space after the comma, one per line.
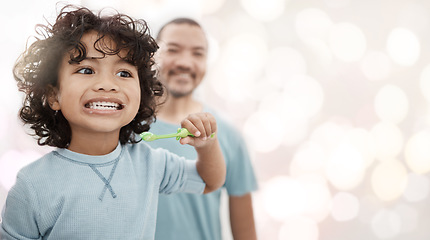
[53,98]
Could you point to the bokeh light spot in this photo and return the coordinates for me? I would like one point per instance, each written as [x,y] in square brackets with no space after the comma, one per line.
[309,158]
[362,140]
[345,167]
[282,63]
[403,46]
[318,197]
[305,92]
[347,42]
[299,228]
[425,82]
[388,140]
[242,60]
[345,207]
[321,53]
[330,134]
[389,180]
[294,117]
[391,104]
[264,130]
[417,152]
[283,197]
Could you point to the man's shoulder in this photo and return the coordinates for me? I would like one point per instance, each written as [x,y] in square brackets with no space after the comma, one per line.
[229,135]
[223,120]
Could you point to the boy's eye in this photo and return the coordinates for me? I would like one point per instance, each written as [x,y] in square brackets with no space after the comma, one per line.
[86,71]
[124,74]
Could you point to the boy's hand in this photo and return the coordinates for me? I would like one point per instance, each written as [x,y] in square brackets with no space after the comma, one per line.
[210,161]
[201,125]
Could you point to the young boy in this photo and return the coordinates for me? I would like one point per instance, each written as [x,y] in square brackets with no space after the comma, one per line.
[90,88]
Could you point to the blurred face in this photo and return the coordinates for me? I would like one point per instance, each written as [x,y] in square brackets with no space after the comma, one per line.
[182,58]
[100,94]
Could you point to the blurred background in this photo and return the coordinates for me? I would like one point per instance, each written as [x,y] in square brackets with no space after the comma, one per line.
[332,97]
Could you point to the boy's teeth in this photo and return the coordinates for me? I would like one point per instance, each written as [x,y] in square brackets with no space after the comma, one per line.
[103,105]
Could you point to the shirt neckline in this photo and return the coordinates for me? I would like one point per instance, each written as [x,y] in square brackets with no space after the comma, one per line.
[90,159]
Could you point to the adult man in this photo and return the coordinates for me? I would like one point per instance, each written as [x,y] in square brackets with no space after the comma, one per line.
[182,61]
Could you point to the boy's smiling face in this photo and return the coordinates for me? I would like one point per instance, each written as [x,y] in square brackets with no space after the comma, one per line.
[99,95]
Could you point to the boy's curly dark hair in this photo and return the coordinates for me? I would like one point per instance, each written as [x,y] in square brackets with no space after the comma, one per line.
[36,70]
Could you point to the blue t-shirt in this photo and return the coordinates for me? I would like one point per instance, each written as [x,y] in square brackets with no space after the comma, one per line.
[67,195]
[191,217]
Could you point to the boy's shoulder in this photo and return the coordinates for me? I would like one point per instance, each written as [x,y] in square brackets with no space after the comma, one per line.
[39,163]
[54,161]
[147,151]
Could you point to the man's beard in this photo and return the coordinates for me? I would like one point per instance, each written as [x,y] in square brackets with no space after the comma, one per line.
[172,91]
[179,94]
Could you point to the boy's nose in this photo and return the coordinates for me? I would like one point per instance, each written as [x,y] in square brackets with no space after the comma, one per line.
[106,88]
[106,83]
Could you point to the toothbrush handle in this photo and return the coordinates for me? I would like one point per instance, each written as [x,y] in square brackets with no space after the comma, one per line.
[183,132]
[166,136]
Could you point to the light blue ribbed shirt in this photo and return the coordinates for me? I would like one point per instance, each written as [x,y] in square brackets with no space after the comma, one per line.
[67,195]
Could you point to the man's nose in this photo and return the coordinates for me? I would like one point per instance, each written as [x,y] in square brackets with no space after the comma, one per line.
[185,61]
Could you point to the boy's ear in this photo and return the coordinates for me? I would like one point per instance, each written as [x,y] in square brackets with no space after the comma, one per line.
[53,98]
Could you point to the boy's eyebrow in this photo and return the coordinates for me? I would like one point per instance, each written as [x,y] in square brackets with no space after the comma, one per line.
[92,59]
[95,59]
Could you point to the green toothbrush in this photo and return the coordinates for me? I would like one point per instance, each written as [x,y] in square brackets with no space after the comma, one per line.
[182,132]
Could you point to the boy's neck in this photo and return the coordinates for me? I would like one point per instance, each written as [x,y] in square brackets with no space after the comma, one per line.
[90,144]
[174,110]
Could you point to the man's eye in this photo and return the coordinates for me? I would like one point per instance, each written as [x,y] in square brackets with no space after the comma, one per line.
[198,54]
[124,74]
[86,71]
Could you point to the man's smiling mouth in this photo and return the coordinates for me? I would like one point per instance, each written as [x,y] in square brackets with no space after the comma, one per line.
[104,105]
[182,74]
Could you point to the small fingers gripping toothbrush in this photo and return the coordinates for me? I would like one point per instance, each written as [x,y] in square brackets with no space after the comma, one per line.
[182,132]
